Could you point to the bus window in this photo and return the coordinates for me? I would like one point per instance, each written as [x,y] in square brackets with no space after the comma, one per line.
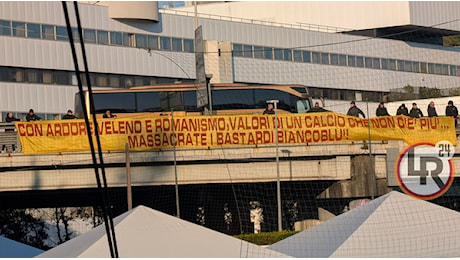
[302,106]
[171,100]
[115,102]
[287,102]
[190,101]
[232,99]
[148,102]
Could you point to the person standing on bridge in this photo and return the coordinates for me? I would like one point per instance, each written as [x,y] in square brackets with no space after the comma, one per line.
[415,112]
[69,115]
[452,111]
[431,110]
[354,110]
[402,110]
[9,119]
[381,110]
[32,117]
[109,114]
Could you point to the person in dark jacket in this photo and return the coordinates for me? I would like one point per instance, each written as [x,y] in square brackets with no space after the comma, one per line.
[431,110]
[108,114]
[354,110]
[452,111]
[415,111]
[32,117]
[402,110]
[381,110]
[69,115]
[9,119]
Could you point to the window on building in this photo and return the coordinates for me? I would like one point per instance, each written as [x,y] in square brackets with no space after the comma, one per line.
[416,66]
[33,30]
[431,68]
[127,81]
[278,53]
[115,38]
[258,52]
[176,44]
[75,34]
[376,63]
[89,35]
[152,42]
[17,75]
[5,27]
[141,41]
[444,69]
[400,64]
[342,60]
[392,64]
[453,70]
[48,77]
[408,66]
[61,33]
[62,77]
[127,39]
[247,51]
[315,57]
[351,61]
[19,29]
[287,54]
[102,80]
[368,62]
[33,76]
[165,43]
[458,71]
[306,56]
[334,59]
[102,37]
[189,46]
[268,53]
[438,69]
[114,81]
[360,61]
[423,67]
[324,58]
[5,74]
[48,32]
[297,55]
[237,50]
[384,64]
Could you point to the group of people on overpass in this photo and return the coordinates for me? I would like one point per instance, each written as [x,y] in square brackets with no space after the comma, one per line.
[415,112]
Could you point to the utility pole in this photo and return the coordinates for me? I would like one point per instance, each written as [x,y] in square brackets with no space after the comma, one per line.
[278,183]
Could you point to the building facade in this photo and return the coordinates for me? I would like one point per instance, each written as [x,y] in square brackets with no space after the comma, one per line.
[126,48]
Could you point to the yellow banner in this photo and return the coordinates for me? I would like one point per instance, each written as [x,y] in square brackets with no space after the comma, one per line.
[143,134]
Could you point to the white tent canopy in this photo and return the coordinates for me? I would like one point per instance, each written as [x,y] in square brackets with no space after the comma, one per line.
[394,225]
[12,249]
[144,232]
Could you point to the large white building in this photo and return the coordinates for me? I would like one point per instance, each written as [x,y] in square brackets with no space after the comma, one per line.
[387,46]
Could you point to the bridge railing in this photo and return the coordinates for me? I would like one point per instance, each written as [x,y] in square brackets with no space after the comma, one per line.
[9,139]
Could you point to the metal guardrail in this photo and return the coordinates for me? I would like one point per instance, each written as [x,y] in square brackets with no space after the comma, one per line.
[9,139]
[299,25]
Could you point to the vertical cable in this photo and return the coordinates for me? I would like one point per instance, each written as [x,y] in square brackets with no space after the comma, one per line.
[98,140]
[113,252]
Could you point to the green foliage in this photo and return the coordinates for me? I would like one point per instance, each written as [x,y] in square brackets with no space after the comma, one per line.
[266,238]
[453,40]
[20,225]
[430,92]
